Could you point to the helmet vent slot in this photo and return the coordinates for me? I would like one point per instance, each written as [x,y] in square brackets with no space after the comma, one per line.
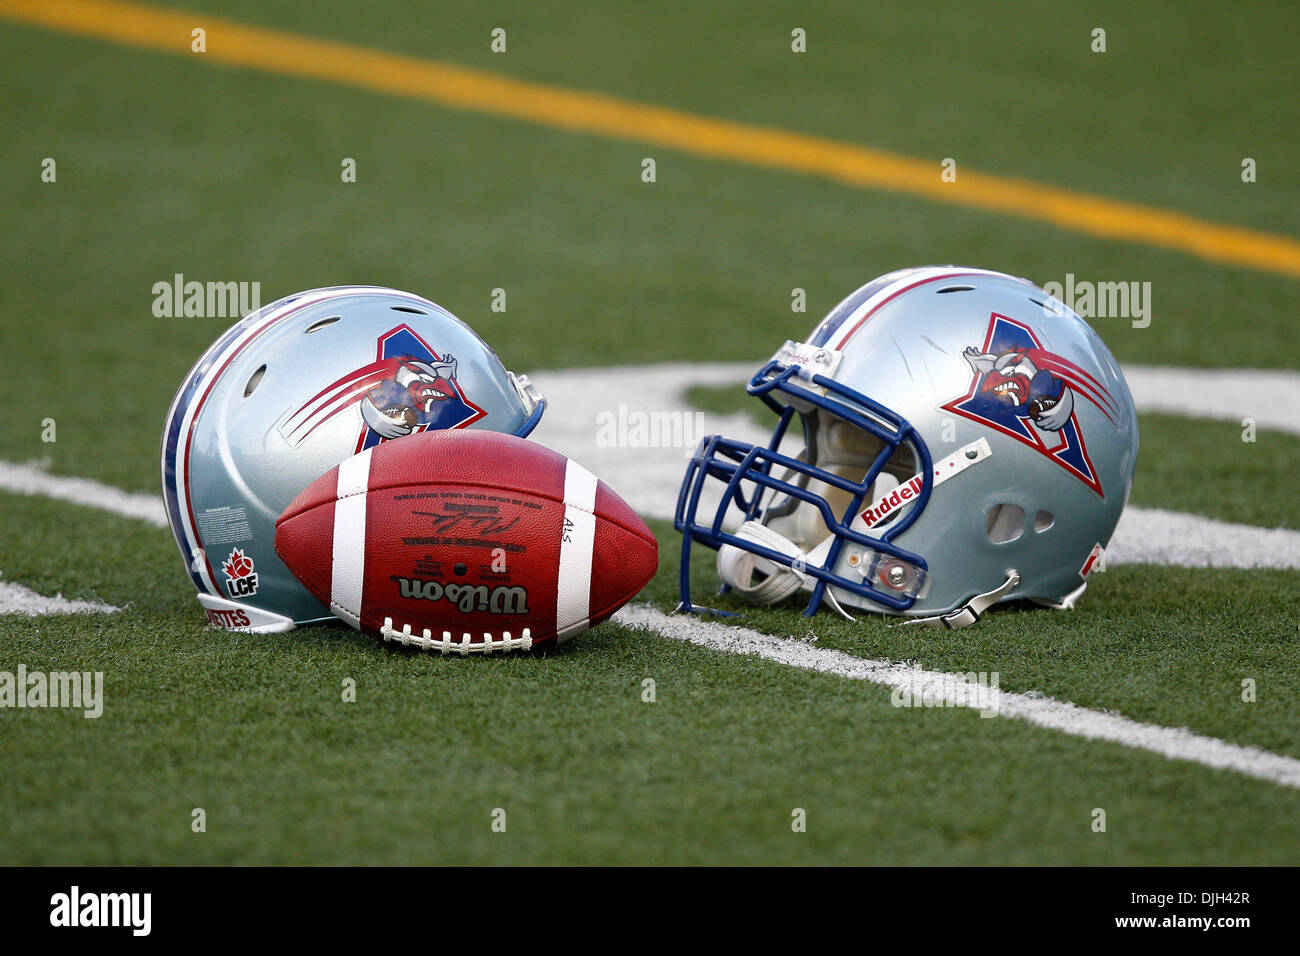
[1006,523]
[254,380]
[955,288]
[1043,520]
[407,308]
[318,325]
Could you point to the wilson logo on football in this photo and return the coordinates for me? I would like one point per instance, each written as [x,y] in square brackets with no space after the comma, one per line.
[241,577]
[467,597]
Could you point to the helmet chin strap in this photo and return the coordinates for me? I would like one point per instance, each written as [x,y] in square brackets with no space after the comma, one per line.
[970,612]
[736,567]
[1066,603]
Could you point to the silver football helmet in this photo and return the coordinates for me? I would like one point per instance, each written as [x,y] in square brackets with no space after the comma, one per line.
[966,439]
[288,393]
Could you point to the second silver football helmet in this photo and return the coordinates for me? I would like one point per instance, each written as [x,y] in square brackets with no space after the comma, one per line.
[965,440]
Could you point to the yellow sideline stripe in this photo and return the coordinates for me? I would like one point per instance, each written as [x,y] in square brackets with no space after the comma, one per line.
[277,51]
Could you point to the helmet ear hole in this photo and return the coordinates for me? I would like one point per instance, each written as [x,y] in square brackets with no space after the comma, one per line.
[1006,523]
[1043,520]
[320,324]
[254,380]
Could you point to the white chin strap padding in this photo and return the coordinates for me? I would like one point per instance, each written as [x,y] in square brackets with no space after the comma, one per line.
[736,566]
[970,612]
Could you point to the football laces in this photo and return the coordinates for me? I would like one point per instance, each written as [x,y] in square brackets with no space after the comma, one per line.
[449,644]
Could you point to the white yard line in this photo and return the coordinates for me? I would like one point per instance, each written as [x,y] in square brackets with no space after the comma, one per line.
[1267,396]
[1174,742]
[1144,535]
[648,478]
[16,599]
[31,479]
[1154,536]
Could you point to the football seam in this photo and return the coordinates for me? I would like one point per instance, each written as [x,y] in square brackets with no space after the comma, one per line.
[286,516]
[324,599]
[608,611]
[649,539]
[600,616]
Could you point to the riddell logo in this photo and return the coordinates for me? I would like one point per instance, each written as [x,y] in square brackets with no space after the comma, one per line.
[241,579]
[892,501]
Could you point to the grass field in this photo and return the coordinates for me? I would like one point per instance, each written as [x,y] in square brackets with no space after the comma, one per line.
[172,163]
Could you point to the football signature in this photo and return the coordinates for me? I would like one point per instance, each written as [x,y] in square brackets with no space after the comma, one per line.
[466,523]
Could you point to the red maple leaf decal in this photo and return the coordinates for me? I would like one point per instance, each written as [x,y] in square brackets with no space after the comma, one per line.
[238,565]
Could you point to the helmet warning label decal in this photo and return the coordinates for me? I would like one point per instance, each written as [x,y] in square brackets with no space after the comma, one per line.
[226,525]
[1022,390]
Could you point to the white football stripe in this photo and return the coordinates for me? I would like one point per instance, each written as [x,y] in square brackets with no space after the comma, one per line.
[1175,742]
[578,537]
[348,562]
[354,475]
[579,487]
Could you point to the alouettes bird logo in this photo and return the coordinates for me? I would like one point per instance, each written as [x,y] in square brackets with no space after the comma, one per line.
[1030,393]
[408,388]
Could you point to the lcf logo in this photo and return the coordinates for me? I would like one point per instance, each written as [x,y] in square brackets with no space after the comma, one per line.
[408,388]
[1029,393]
[241,576]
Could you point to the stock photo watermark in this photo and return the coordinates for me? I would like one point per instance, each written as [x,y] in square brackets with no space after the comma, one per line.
[36,690]
[77,908]
[976,690]
[627,427]
[1101,300]
[205,300]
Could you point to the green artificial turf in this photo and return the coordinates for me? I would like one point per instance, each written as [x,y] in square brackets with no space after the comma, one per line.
[169,164]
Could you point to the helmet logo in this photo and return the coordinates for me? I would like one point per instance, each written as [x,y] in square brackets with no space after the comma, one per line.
[1024,391]
[241,578]
[1095,562]
[408,388]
